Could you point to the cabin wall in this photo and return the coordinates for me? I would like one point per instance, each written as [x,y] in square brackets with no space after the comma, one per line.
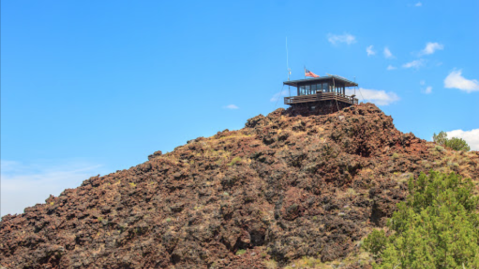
[328,86]
[311,88]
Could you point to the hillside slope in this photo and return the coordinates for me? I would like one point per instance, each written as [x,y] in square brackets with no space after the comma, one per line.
[282,188]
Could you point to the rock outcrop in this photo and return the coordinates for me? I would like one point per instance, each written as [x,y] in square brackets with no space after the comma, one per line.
[282,188]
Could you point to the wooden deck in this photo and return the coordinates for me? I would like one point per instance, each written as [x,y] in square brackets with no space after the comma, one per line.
[323,96]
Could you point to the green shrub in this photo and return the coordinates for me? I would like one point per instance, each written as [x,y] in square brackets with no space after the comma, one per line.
[375,242]
[453,143]
[436,227]
[240,252]
[457,144]
[234,161]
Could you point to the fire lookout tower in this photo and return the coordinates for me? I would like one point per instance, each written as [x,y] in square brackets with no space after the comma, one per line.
[325,94]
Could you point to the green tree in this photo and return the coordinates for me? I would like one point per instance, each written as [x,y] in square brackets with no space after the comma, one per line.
[457,144]
[440,138]
[453,143]
[436,227]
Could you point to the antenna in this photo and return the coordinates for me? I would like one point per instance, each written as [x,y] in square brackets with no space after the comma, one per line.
[356,86]
[287,66]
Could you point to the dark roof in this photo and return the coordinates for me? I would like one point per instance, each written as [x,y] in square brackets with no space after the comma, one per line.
[347,82]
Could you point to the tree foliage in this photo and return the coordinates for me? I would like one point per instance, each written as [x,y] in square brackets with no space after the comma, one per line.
[453,143]
[436,227]
[440,138]
[457,144]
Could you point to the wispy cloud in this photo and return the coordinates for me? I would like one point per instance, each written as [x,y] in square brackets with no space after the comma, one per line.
[414,64]
[418,4]
[455,80]
[390,67]
[370,51]
[344,38]
[471,137]
[387,53]
[278,95]
[231,106]
[431,48]
[428,89]
[379,97]
[25,185]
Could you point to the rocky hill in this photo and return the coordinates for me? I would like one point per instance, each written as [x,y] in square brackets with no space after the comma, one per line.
[287,190]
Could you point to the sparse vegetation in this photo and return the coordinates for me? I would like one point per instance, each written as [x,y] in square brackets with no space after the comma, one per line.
[288,199]
[240,252]
[439,148]
[234,161]
[271,264]
[351,192]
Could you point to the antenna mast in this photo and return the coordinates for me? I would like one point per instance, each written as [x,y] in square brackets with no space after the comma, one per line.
[287,66]
[356,86]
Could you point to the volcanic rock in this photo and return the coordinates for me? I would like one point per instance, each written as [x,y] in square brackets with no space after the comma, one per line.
[285,187]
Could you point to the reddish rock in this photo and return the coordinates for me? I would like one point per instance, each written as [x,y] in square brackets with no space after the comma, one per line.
[288,185]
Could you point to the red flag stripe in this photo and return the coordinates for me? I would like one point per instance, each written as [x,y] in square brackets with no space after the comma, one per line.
[310,74]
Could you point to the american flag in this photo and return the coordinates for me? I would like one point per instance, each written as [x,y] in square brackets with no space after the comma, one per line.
[308,73]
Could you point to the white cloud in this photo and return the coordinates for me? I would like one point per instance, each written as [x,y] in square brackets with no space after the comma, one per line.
[379,97]
[431,48]
[414,64]
[471,137]
[370,51]
[390,67]
[422,82]
[457,81]
[428,90]
[25,185]
[387,53]
[345,38]
[418,4]
[231,107]
[278,96]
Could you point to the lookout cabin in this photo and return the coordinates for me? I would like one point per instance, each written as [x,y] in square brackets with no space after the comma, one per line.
[326,92]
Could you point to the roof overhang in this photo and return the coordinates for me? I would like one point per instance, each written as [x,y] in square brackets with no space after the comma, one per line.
[295,83]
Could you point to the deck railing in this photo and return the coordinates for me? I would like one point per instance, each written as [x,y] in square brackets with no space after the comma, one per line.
[321,96]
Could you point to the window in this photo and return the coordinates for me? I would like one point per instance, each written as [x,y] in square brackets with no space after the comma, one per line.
[325,87]
[307,89]
[313,89]
[301,90]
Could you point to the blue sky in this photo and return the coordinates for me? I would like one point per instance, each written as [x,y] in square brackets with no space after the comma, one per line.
[91,87]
